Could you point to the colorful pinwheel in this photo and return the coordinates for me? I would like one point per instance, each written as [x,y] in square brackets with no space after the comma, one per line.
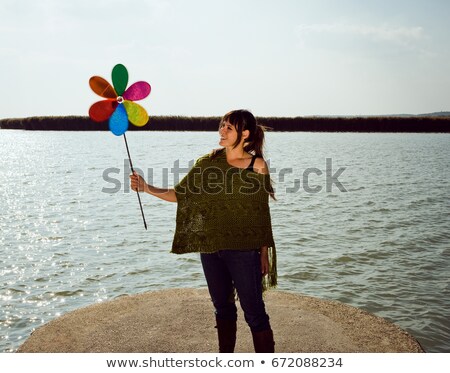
[119,106]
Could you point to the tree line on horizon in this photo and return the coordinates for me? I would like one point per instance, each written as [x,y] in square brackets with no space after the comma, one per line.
[184,123]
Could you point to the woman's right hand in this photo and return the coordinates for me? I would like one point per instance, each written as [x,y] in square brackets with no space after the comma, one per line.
[137,182]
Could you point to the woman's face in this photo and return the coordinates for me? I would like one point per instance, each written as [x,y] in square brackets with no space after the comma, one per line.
[228,134]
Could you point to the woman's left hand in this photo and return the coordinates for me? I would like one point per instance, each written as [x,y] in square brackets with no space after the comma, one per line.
[264,260]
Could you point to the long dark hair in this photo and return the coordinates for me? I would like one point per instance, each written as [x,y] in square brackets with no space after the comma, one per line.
[254,144]
[244,120]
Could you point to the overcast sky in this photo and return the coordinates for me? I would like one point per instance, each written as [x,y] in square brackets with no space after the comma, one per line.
[206,57]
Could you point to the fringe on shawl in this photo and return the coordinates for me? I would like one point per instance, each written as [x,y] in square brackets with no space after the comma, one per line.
[270,280]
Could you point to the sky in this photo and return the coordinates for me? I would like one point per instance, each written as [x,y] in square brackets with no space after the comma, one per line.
[206,57]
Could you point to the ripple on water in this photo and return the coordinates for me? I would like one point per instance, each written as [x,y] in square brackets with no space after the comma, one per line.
[68,293]
[344,259]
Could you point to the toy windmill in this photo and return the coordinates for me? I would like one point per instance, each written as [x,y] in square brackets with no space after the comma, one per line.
[119,107]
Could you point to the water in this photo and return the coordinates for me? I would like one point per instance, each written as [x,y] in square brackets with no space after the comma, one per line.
[383,246]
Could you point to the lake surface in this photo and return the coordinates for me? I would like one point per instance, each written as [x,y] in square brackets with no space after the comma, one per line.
[71,233]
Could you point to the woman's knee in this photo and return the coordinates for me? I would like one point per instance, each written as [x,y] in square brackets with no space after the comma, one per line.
[258,323]
[226,311]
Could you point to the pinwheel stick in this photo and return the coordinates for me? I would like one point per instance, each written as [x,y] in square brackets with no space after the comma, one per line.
[137,191]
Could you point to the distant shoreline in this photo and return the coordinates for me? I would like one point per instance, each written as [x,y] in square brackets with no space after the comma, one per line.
[419,123]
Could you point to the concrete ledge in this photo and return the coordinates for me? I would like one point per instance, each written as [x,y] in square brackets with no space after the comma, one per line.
[182,320]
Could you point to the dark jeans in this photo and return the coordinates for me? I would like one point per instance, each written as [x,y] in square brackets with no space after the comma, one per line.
[227,270]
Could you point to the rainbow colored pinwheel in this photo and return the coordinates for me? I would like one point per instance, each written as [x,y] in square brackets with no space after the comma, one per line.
[119,106]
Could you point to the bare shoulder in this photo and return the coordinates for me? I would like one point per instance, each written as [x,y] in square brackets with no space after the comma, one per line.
[260,166]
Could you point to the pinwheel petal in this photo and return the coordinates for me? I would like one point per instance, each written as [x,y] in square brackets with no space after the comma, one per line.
[102,110]
[137,91]
[120,78]
[136,113]
[118,123]
[102,87]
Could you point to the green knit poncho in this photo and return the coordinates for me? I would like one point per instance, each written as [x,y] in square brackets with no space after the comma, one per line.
[222,207]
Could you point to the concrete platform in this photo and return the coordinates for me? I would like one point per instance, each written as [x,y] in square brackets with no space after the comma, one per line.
[182,320]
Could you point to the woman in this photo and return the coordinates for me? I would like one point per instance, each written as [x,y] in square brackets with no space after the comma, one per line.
[223,213]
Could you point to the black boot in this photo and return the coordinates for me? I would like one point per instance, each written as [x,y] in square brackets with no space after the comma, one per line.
[226,331]
[263,341]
